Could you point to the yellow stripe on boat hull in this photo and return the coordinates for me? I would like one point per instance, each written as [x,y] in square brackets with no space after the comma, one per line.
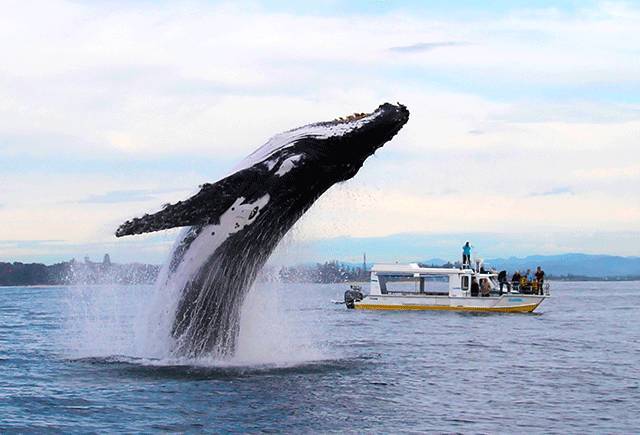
[514,309]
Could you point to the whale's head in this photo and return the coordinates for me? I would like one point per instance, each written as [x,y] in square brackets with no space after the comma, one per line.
[336,148]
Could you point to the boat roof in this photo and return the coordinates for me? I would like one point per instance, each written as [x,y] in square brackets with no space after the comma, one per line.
[414,268]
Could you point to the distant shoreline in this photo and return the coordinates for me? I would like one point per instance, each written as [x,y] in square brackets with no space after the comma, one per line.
[74,272]
[36,286]
[593,279]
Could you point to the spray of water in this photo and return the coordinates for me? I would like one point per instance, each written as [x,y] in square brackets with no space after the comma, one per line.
[133,324]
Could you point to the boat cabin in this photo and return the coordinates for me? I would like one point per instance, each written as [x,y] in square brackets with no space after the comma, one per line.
[407,279]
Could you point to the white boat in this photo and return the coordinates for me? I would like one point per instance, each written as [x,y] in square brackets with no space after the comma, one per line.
[411,287]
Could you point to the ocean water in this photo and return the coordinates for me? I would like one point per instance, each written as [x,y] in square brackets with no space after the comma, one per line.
[81,360]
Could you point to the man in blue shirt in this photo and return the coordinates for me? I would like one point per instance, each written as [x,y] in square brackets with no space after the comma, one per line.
[466,254]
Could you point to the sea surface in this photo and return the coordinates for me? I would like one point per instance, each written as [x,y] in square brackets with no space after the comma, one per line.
[70,361]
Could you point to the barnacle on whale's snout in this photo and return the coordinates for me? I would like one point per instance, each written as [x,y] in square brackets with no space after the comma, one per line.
[352,117]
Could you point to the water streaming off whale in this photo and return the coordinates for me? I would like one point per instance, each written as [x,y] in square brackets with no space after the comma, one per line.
[233,225]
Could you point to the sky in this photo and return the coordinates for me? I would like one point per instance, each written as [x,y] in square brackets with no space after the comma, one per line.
[524,129]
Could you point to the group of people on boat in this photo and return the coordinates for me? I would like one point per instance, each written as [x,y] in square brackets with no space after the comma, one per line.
[524,282]
[481,288]
[520,282]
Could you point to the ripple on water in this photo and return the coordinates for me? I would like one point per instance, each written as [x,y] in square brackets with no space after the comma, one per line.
[573,368]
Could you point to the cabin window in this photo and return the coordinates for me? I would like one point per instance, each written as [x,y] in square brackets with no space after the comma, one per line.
[436,284]
[465,283]
[398,284]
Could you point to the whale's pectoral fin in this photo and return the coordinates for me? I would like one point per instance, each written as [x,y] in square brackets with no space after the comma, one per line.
[205,207]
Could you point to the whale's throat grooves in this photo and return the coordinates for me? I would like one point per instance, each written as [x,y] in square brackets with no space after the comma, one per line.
[208,314]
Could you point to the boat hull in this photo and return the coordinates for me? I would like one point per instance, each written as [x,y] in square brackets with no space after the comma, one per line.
[499,304]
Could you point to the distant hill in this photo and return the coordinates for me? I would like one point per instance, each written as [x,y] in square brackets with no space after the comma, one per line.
[74,272]
[597,266]
[571,266]
[576,265]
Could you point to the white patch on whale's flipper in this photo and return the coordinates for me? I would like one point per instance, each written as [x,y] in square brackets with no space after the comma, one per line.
[288,165]
[238,216]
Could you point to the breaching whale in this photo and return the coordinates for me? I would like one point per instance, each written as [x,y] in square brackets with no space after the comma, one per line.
[236,223]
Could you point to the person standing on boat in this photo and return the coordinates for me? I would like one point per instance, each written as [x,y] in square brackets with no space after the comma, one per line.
[466,254]
[525,284]
[502,279]
[485,288]
[540,279]
[475,288]
[515,281]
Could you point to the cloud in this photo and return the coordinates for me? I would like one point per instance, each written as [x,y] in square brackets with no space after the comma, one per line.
[426,46]
[149,95]
[28,243]
[151,248]
[117,196]
[420,246]
[623,173]
[554,191]
[360,210]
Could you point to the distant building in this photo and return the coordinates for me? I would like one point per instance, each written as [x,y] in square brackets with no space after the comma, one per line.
[106,261]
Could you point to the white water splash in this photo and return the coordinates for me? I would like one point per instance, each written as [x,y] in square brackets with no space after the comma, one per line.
[118,323]
[273,332]
[162,306]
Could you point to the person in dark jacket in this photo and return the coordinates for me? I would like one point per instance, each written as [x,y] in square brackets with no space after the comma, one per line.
[502,279]
[475,287]
[515,281]
[540,280]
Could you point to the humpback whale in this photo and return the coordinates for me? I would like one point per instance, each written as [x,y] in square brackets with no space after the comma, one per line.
[234,224]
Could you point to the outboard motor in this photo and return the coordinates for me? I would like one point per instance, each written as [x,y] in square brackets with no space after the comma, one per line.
[353,295]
